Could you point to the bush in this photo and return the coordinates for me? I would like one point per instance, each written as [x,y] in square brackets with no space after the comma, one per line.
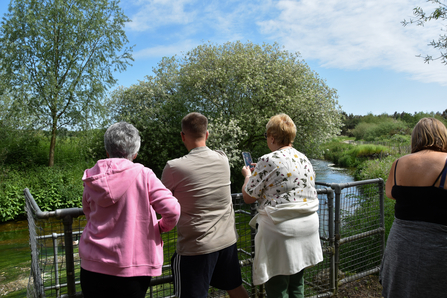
[350,155]
[52,188]
[375,168]
[375,131]
[24,147]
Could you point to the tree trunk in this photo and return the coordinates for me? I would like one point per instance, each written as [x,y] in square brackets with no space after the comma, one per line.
[52,145]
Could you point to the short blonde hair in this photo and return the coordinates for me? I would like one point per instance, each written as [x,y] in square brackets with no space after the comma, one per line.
[282,128]
[429,133]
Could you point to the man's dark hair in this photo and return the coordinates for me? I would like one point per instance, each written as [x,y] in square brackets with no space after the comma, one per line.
[195,124]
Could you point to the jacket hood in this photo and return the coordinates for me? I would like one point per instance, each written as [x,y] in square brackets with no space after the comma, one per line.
[109,179]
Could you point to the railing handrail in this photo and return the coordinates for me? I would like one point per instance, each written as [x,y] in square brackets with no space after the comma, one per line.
[333,192]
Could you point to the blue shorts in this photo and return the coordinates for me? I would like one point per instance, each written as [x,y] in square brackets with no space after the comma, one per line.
[193,275]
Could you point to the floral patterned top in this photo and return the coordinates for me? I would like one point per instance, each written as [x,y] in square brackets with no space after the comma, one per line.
[282,176]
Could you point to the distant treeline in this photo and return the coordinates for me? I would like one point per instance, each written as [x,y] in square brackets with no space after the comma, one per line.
[385,127]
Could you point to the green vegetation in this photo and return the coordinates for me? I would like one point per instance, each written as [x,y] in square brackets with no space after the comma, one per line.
[238,86]
[24,166]
[389,139]
[58,59]
[421,17]
[349,156]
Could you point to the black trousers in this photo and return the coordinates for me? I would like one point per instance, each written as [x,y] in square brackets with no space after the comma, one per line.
[97,285]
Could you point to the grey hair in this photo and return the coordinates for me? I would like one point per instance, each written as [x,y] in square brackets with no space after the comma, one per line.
[122,140]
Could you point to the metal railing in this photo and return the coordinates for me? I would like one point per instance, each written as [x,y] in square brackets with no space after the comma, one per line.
[352,235]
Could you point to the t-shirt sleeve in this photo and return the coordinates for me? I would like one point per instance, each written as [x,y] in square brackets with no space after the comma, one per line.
[164,203]
[167,178]
[256,183]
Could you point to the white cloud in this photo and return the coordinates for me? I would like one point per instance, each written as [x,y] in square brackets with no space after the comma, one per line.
[165,50]
[341,34]
[152,14]
[357,35]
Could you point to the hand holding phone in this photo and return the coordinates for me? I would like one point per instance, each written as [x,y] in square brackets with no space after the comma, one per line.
[247,159]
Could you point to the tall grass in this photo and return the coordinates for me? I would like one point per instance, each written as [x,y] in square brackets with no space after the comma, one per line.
[350,155]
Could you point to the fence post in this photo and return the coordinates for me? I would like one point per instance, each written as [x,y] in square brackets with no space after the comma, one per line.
[382,213]
[332,276]
[337,190]
[69,258]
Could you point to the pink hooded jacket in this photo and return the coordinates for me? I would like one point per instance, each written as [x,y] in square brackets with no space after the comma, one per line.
[122,235]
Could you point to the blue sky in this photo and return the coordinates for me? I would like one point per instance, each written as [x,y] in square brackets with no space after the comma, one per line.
[359,47]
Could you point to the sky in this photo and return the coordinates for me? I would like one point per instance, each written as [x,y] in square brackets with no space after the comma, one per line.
[359,47]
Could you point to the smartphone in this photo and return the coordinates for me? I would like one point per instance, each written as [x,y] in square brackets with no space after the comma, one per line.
[247,159]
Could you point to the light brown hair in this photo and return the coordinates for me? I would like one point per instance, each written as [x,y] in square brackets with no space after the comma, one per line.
[282,128]
[429,133]
[195,124]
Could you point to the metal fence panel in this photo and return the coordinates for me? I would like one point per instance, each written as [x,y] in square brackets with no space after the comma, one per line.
[351,233]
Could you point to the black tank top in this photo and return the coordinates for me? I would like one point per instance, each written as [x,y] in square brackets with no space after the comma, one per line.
[421,203]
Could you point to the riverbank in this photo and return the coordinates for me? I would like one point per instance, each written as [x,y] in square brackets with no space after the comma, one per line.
[366,161]
[15,259]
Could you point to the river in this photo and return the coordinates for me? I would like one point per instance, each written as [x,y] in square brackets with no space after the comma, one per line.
[326,172]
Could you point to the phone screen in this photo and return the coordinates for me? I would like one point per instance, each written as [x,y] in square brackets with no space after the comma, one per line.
[247,159]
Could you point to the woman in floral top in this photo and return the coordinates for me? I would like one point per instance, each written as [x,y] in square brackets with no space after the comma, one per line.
[283,183]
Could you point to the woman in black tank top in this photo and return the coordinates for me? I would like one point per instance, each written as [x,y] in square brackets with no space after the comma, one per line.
[414,264]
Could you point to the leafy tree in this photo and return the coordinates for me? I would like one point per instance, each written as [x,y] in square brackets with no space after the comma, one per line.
[151,106]
[444,114]
[238,87]
[251,83]
[57,59]
[349,123]
[422,17]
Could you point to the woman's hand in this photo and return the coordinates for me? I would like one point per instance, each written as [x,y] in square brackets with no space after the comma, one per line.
[246,170]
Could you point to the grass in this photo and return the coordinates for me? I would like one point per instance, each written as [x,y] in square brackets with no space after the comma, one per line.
[14,259]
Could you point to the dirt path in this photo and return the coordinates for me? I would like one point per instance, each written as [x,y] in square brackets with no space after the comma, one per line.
[367,287]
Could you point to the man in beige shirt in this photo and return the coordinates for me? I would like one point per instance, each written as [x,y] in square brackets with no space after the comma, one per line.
[206,244]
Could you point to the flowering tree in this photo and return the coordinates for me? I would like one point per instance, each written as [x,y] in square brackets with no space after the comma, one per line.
[238,87]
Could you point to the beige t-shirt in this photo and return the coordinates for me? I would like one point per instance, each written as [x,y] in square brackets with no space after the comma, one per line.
[200,181]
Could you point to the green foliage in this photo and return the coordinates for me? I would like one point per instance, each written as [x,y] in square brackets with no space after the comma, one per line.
[350,155]
[412,119]
[349,123]
[12,202]
[383,127]
[379,168]
[375,168]
[81,146]
[379,128]
[369,151]
[335,150]
[225,134]
[52,188]
[238,87]
[23,147]
[58,59]
[29,148]
[422,17]
[24,166]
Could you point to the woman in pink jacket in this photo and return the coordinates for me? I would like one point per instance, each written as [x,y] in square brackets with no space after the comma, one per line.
[121,246]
